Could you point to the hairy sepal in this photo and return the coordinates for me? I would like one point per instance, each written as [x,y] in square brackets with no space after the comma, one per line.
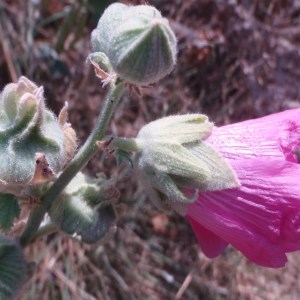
[28,128]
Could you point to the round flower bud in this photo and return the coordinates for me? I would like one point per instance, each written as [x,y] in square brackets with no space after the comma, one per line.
[138,42]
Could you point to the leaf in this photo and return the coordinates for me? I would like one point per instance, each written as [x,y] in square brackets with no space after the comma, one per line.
[12,268]
[9,210]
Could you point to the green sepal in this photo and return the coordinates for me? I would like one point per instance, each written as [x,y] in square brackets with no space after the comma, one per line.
[123,157]
[171,167]
[12,268]
[9,210]
[29,130]
[222,175]
[173,158]
[177,129]
[84,209]
[101,59]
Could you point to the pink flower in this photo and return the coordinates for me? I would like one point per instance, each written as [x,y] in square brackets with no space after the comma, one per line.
[261,218]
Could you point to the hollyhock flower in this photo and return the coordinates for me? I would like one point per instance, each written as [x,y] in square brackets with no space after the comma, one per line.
[261,217]
[237,184]
[167,164]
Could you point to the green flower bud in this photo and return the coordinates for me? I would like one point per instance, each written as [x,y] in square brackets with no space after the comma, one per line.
[138,42]
[83,211]
[172,157]
[33,142]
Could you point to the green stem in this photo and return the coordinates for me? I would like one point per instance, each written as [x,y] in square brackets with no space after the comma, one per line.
[124,144]
[85,153]
[45,230]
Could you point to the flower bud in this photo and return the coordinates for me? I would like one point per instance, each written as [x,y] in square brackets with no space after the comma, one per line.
[138,42]
[33,142]
[83,210]
[173,157]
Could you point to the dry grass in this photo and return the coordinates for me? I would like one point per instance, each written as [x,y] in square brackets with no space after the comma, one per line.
[237,60]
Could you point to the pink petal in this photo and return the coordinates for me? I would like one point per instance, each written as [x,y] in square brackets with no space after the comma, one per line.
[211,244]
[274,136]
[260,218]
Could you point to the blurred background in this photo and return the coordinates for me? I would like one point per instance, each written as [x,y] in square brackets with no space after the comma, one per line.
[238,59]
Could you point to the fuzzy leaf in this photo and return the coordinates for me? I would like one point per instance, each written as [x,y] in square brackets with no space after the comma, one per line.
[12,268]
[9,210]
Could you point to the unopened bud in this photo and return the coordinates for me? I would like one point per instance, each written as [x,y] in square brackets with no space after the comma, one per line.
[138,42]
[33,142]
[172,157]
[84,209]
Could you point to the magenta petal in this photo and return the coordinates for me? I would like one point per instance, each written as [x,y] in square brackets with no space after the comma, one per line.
[274,136]
[211,244]
[260,218]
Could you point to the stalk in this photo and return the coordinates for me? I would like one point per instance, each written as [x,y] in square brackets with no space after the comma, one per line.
[85,153]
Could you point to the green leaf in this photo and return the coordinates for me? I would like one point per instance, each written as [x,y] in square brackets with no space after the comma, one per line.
[9,210]
[12,268]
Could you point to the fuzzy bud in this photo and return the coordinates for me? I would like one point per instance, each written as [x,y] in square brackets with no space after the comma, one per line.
[32,140]
[83,210]
[138,42]
[173,157]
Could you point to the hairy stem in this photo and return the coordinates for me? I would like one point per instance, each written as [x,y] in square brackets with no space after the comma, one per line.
[126,144]
[85,153]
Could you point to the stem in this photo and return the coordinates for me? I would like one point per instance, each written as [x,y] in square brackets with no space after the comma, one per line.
[85,153]
[125,144]
[45,230]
